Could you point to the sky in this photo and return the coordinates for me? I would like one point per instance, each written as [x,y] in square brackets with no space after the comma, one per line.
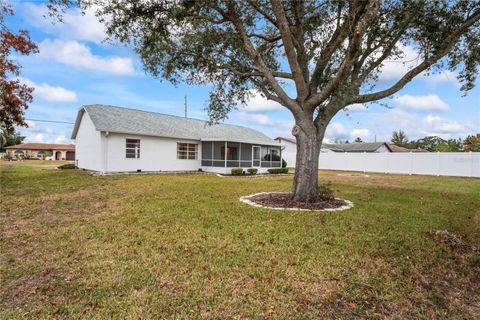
[76,67]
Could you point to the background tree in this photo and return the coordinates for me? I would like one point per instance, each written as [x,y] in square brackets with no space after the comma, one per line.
[358,140]
[14,96]
[451,145]
[7,140]
[313,57]
[399,138]
[429,143]
[472,143]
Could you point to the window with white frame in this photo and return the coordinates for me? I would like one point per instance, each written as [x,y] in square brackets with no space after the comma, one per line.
[133,148]
[187,151]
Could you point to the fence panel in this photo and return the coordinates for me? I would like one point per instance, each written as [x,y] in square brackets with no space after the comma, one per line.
[461,164]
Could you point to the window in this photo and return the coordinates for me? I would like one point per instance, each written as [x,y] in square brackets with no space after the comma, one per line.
[187,151]
[231,153]
[133,148]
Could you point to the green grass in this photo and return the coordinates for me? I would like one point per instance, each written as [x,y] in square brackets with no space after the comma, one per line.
[183,247]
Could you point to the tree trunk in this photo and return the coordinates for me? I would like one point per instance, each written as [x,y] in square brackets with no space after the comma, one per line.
[305,181]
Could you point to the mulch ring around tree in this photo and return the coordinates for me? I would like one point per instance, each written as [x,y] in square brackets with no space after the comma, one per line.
[283,201]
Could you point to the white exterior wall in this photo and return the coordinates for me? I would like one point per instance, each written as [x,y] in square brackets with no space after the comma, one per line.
[156,154]
[289,153]
[228,170]
[87,145]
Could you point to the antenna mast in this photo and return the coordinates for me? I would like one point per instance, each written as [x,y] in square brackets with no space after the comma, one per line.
[185,106]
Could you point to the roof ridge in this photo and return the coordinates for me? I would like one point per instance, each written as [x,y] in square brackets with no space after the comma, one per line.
[165,114]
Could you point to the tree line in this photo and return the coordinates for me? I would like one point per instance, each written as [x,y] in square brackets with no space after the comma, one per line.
[437,144]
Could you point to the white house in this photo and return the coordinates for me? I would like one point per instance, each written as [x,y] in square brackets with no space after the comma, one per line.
[114,139]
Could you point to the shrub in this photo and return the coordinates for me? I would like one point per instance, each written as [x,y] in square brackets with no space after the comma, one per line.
[237,171]
[67,166]
[278,170]
[284,163]
[7,156]
[252,170]
[325,192]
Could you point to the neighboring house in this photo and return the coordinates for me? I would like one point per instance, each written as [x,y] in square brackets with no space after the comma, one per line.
[114,139]
[396,148]
[290,152]
[290,149]
[359,147]
[42,151]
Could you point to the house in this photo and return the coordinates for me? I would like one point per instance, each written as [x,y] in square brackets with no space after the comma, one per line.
[42,151]
[114,139]
[359,147]
[290,152]
[396,148]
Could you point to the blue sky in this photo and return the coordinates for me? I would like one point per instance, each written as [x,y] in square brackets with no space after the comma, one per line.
[74,67]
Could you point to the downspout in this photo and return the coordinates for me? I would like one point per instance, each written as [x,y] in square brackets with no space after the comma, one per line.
[105,156]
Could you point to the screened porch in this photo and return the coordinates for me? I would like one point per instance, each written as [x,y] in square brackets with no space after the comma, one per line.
[229,154]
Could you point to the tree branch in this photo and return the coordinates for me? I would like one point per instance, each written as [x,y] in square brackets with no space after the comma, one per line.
[289,48]
[449,42]
[232,16]
[352,50]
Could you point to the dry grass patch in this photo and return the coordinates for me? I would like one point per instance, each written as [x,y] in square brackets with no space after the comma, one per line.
[183,247]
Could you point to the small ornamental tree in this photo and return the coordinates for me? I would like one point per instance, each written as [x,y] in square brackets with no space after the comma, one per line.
[313,57]
[14,96]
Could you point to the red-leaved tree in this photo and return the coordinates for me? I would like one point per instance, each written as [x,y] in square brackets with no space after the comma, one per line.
[14,96]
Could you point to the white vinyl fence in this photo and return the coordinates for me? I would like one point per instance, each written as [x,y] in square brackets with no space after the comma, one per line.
[461,164]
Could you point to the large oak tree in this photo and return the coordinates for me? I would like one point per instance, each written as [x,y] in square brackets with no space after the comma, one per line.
[313,57]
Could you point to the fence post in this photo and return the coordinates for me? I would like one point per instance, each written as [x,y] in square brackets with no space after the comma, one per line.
[471,164]
[438,160]
[411,163]
[364,161]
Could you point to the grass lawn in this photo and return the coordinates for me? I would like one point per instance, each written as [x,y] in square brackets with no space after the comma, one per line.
[183,247]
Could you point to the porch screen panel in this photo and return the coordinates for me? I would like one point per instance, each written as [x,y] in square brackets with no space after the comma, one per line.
[246,153]
[275,154]
[265,157]
[207,149]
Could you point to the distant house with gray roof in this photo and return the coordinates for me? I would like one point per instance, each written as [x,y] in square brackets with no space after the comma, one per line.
[115,139]
[290,149]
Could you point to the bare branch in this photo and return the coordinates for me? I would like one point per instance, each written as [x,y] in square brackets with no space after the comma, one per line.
[449,42]
[232,15]
[351,55]
[283,26]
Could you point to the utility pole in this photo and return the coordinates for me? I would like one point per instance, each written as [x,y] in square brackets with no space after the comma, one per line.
[185,106]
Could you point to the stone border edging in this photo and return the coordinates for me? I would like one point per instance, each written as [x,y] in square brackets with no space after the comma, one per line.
[246,200]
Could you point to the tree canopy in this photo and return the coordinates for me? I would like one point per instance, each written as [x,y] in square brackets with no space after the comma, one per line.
[14,96]
[326,50]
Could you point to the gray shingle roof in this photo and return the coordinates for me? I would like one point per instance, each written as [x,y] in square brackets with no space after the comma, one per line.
[131,121]
[358,147]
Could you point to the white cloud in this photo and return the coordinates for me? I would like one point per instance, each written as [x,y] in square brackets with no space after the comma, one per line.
[429,102]
[446,76]
[38,138]
[51,93]
[75,25]
[336,130]
[438,126]
[256,118]
[355,107]
[258,103]
[78,55]
[416,127]
[61,139]
[396,68]
[362,133]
